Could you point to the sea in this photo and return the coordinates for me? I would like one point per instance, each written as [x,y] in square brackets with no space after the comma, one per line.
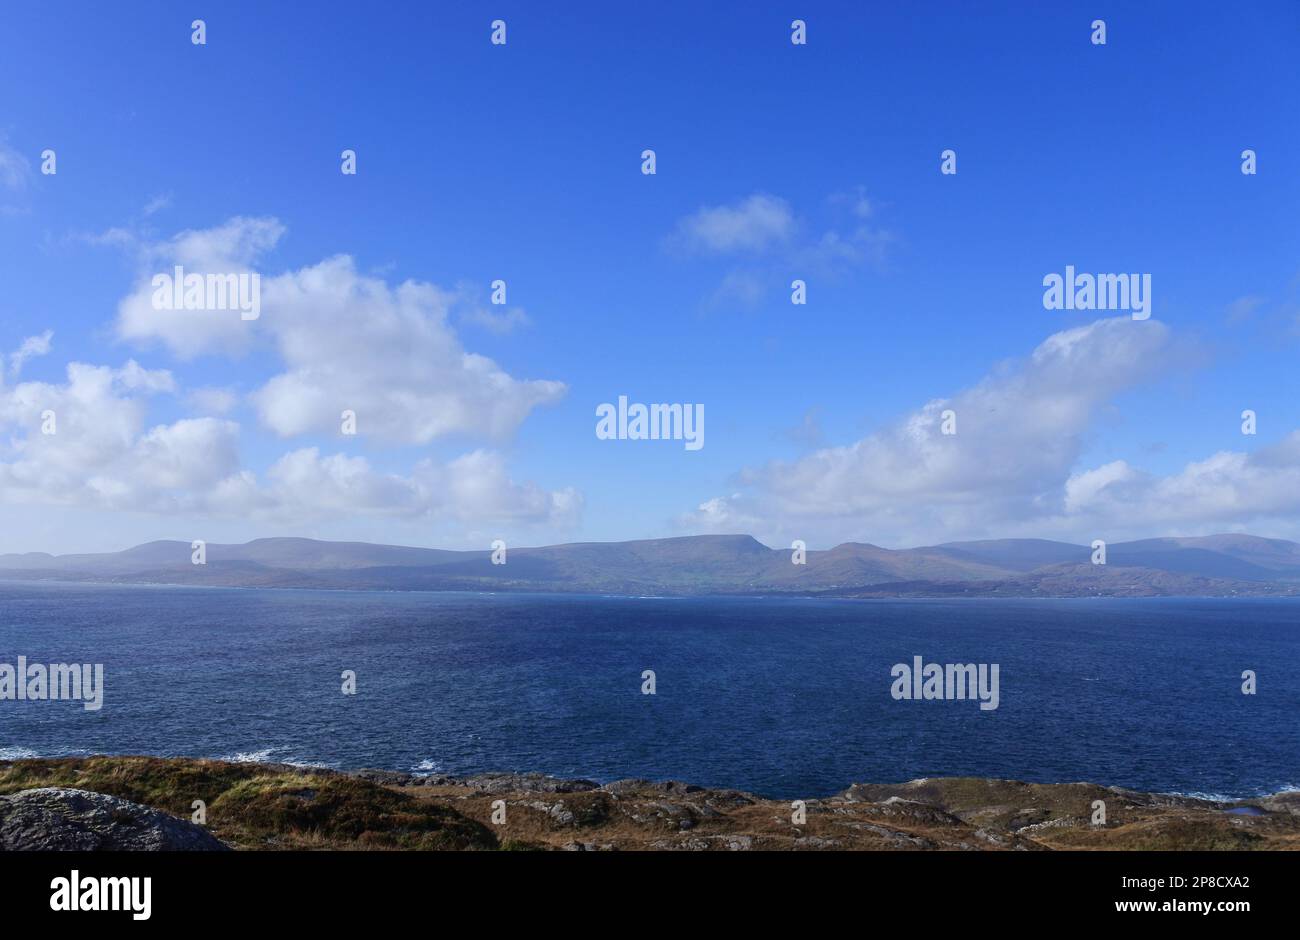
[784,697]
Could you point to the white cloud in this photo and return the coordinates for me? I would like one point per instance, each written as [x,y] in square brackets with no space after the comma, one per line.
[102,456]
[239,241]
[728,514]
[99,453]
[500,323]
[15,169]
[835,251]
[752,224]
[856,201]
[475,489]
[157,204]
[1229,489]
[212,400]
[344,341]
[192,454]
[1082,488]
[31,347]
[778,246]
[347,341]
[352,342]
[1243,308]
[745,288]
[1019,435]
[230,248]
[477,486]
[808,432]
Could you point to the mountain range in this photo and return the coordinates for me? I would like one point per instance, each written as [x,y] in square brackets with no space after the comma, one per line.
[1214,565]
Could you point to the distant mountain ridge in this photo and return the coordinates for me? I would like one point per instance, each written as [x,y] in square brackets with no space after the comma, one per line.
[1215,565]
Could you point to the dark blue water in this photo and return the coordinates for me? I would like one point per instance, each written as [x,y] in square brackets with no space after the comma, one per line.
[783,697]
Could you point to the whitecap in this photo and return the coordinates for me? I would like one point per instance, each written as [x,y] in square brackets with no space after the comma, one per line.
[251,757]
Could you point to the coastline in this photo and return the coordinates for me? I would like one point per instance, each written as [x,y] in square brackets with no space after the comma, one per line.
[413,775]
[270,806]
[1289,594]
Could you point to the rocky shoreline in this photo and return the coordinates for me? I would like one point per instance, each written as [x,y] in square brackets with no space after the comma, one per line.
[148,803]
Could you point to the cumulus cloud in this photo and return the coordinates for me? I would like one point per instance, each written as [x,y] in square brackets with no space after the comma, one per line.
[767,244]
[1243,308]
[157,204]
[30,348]
[353,342]
[1229,489]
[336,341]
[808,432]
[472,489]
[85,443]
[15,169]
[212,400]
[500,323]
[475,489]
[752,224]
[230,248]
[1020,433]
[347,341]
[834,252]
[855,200]
[743,287]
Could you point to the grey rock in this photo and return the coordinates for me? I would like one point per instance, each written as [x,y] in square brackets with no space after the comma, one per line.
[676,787]
[921,813]
[990,837]
[893,835]
[63,819]
[494,783]
[559,813]
[815,842]
[630,785]
[387,778]
[639,785]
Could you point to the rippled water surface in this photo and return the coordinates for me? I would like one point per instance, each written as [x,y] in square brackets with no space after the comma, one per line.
[783,697]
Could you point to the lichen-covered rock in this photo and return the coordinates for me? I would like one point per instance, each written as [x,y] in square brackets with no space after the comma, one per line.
[63,819]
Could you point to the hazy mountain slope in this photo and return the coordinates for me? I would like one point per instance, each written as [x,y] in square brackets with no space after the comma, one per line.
[1267,553]
[295,553]
[1015,554]
[708,564]
[855,563]
[1221,556]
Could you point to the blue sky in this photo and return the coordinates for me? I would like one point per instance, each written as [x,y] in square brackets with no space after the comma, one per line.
[522,162]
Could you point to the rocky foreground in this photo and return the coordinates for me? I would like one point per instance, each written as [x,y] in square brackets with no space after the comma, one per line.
[145,803]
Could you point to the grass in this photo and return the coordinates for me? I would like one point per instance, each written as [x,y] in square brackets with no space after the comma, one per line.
[270,806]
[254,806]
